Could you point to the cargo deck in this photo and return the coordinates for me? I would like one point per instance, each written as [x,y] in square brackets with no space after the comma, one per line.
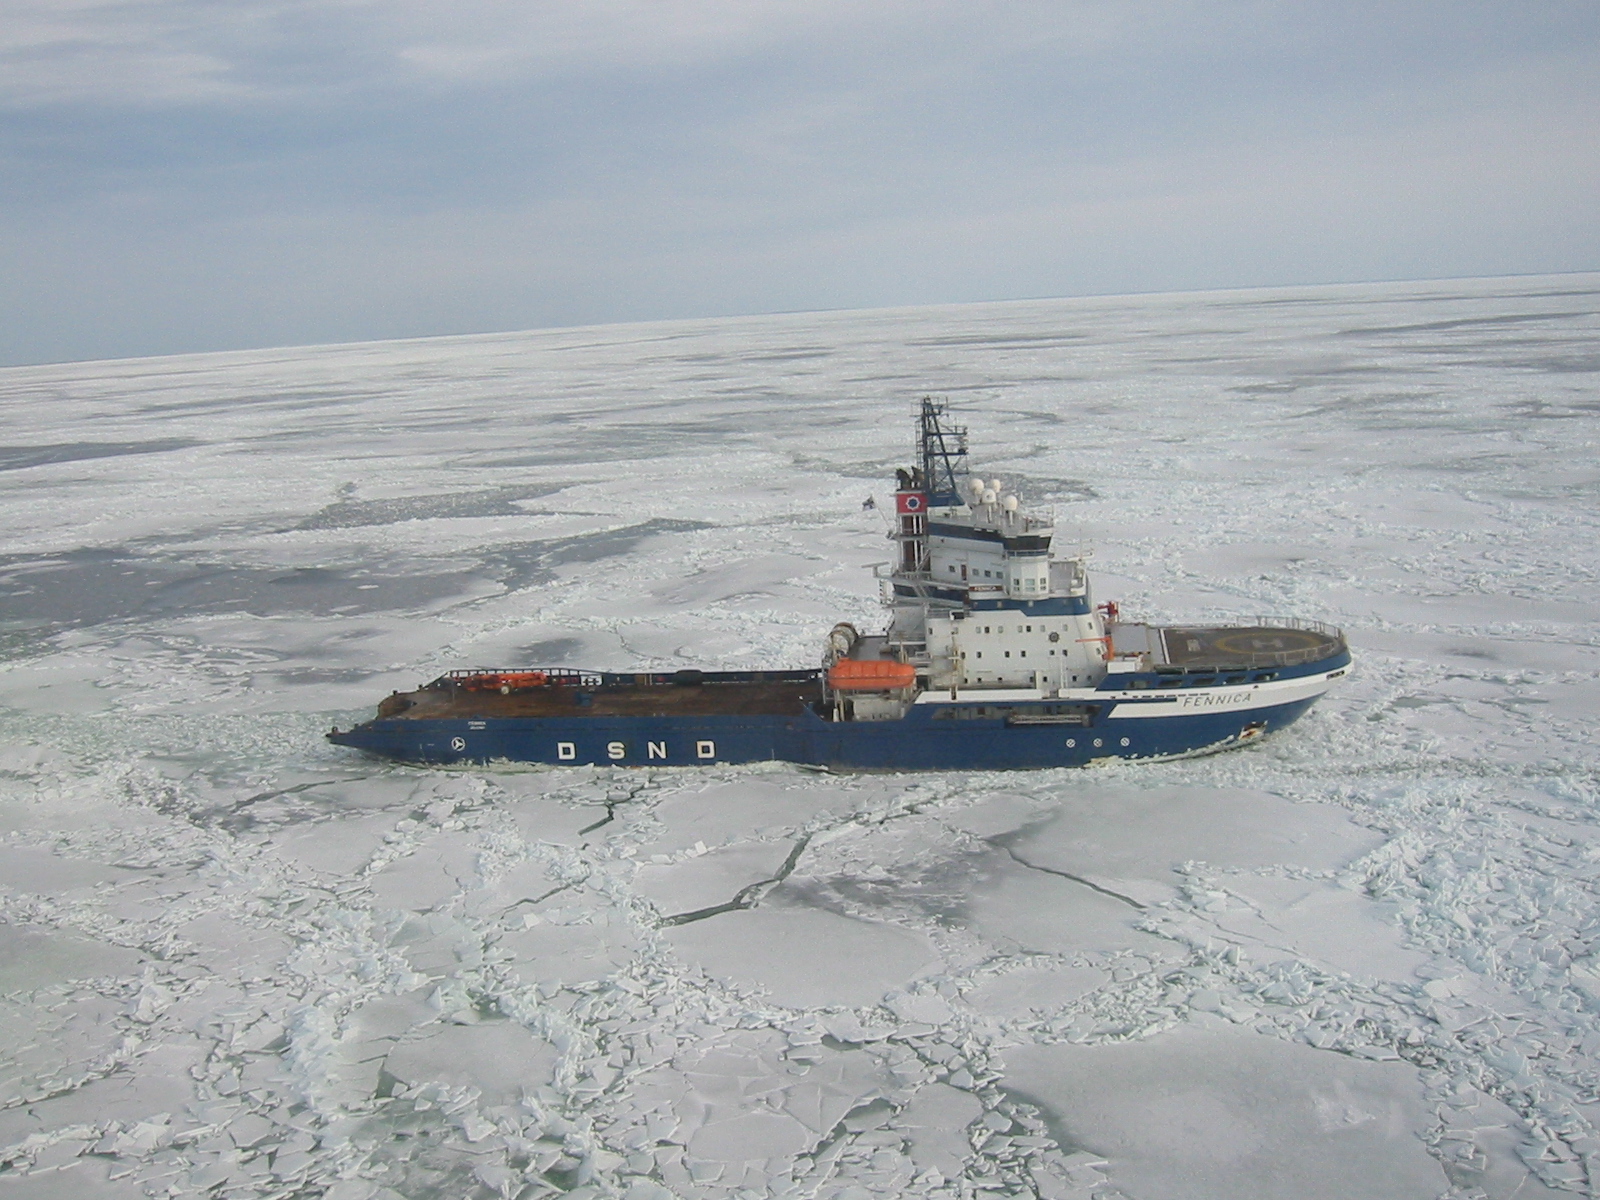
[613,696]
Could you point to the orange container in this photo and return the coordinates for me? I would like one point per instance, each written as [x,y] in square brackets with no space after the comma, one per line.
[870,675]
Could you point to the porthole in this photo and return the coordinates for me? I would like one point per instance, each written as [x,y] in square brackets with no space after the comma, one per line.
[1124,741]
[1055,637]
[1098,742]
[1071,742]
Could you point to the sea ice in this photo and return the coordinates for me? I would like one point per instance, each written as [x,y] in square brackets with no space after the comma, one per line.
[1203,1113]
[1358,958]
[804,958]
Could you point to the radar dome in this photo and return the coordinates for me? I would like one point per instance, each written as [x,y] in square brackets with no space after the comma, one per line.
[1011,504]
[988,496]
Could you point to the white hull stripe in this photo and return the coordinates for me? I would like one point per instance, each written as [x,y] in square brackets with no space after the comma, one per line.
[1211,700]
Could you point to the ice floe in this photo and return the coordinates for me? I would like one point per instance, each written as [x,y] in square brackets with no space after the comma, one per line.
[1359,958]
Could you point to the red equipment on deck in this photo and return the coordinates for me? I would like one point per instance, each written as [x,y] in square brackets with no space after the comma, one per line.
[503,681]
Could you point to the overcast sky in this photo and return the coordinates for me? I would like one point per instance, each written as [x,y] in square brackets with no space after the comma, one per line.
[207,174]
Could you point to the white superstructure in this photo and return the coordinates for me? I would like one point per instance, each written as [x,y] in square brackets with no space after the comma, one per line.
[978,600]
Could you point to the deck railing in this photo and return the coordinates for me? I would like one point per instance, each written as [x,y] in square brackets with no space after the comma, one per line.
[517,677]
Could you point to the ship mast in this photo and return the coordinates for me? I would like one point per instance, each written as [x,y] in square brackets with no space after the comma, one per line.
[944,453]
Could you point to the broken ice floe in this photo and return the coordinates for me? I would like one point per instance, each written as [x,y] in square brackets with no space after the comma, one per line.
[235,962]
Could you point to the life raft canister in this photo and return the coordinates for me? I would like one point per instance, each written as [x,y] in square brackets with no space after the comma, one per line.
[870,675]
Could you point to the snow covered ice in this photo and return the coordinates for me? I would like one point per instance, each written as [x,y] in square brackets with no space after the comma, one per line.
[1360,958]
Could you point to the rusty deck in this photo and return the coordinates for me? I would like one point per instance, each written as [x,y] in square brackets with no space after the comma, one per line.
[784,698]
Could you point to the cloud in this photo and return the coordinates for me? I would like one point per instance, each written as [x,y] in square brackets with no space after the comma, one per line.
[181,174]
[162,52]
[157,52]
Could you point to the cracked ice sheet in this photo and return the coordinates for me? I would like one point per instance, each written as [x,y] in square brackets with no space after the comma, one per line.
[1214,1114]
[244,963]
[803,958]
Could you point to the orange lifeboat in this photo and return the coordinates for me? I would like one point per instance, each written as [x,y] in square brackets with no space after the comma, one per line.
[870,675]
[505,681]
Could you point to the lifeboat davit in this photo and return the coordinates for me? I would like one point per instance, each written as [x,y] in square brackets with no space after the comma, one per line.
[870,675]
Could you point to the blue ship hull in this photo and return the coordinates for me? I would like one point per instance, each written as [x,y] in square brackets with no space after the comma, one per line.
[919,741]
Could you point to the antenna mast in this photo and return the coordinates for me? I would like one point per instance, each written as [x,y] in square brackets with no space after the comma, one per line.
[943,450]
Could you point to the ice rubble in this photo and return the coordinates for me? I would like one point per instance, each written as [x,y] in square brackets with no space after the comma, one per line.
[239,963]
